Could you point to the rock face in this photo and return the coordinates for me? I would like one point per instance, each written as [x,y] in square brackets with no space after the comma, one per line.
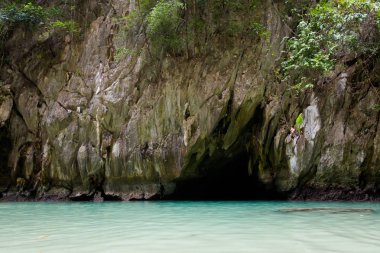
[74,120]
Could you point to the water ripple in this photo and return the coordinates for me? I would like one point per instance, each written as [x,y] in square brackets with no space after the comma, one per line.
[187,227]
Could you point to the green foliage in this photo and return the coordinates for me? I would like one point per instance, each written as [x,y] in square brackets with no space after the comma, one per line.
[179,26]
[258,29]
[253,29]
[329,31]
[299,122]
[29,13]
[121,52]
[146,6]
[32,14]
[137,17]
[237,19]
[36,17]
[376,107]
[69,25]
[163,24]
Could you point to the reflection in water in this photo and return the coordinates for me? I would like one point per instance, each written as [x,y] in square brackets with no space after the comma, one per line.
[190,227]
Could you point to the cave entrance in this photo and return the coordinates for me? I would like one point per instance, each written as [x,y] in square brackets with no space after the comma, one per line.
[231,174]
[225,178]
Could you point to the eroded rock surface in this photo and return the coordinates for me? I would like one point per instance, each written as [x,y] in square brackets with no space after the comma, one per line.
[75,122]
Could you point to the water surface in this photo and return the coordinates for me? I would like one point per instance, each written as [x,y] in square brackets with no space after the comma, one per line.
[188,227]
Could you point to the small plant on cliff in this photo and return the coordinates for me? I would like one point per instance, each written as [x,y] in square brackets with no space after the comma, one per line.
[258,29]
[376,107]
[69,25]
[329,32]
[299,122]
[163,23]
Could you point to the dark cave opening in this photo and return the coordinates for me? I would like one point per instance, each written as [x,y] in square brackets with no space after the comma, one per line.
[225,175]
[225,178]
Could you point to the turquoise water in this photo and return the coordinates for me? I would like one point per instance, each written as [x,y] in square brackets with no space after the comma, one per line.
[187,227]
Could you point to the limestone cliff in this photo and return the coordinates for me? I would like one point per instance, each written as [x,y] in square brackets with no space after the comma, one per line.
[76,120]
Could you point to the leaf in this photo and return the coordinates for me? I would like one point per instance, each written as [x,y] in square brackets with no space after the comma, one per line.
[299,122]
